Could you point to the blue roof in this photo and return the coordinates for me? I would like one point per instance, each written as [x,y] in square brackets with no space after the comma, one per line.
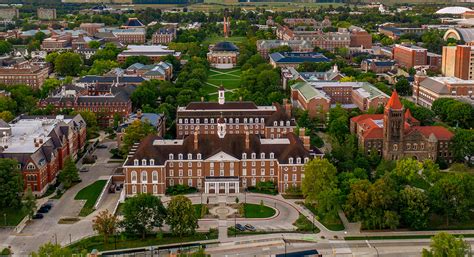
[297,57]
[381,63]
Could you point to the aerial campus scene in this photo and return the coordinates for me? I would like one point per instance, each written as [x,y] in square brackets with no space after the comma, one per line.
[236,128]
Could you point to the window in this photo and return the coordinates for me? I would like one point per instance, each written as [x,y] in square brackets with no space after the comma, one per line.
[199,164]
[190,156]
[154,176]
[285,177]
[190,173]
[254,155]
[221,173]
[272,172]
[415,146]
[180,173]
[134,177]
[170,156]
[190,164]
[171,182]
[144,177]
[211,173]
[144,189]
[171,173]
[199,172]
[298,160]
[294,168]
[144,162]
[395,147]
[155,189]
[152,162]
[290,160]
[262,155]
[199,156]
[190,182]
[171,164]
[134,189]
[244,156]
[294,177]
[254,181]
[272,156]
[30,166]
[306,160]
[244,172]
[135,162]
[180,156]
[244,164]
[253,164]
[262,172]
[254,172]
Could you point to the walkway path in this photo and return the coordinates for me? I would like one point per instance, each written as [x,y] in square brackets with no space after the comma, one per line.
[224,73]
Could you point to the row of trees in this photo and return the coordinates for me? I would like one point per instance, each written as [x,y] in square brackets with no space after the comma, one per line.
[405,195]
[454,112]
[144,213]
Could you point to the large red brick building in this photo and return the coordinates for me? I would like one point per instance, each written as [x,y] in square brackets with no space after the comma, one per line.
[41,144]
[396,134]
[26,73]
[409,56]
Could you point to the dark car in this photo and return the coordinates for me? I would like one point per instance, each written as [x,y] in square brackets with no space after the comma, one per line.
[38,216]
[47,206]
[250,227]
[84,169]
[101,146]
[239,227]
[43,210]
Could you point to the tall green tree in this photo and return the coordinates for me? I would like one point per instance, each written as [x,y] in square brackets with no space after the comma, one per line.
[142,213]
[11,183]
[52,250]
[134,133]
[69,173]
[29,203]
[414,207]
[5,47]
[105,223]
[68,64]
[447,245]
[463,144]
[181,216]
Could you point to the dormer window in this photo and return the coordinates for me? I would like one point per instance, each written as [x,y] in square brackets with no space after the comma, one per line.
[306,160]
[298,160]
[244,156]
[236,120]
[180,156]
[275,123]
[272,156]
[171,157]
[152,162]
[192,121]
[290,160]
[135,162]
[287,123]
[30,166]
[254,155]
[190,156]
[144,162]
[199,156]
[262,155]
[251,120]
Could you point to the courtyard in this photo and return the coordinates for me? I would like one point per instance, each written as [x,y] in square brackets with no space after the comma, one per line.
[229,79]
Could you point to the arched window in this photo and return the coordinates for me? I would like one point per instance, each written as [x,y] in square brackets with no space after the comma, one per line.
[254,155]
[180,156]
[298,160]
[262,155]
[199,156]
[144,177]
[154,176]
[144,162]
[275,123]
[190,156]
[135,162]
[152,162]
[272,156]
[170,156]
[133,176]
[244,156]
[290,160]
[30,166]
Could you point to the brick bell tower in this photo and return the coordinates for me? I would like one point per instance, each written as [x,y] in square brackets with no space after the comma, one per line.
[393,128]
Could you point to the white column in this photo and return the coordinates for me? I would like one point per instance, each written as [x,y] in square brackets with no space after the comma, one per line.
[226,187]
[236,185]
[206,189]
[216,187]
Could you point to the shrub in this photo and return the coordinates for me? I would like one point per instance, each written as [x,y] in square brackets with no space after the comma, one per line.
[180,190]
[267,187]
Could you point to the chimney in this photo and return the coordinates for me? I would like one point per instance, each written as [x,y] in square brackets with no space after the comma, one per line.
[247,140]
[139,114]
[306,143]
[40,140]
[196,141]
[287,107]
[302,132]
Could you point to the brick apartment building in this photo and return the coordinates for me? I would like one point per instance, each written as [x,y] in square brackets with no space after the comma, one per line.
[230,156]
[46,14]
[360,38]
[116,101]
[41,144]
[9,13]
[91,28]
[27,73]
[458,61]
[409,56]
[427,89]
[395,134]
[318,97]
[264,47]
[164,35]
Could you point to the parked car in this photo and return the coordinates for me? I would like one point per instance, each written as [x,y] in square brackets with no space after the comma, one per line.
[47,206]
[112,188]
[101,146]
[250,227]
[43,210]
[38,216]
[84,169]
[239,227]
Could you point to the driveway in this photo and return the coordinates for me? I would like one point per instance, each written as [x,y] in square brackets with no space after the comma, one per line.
[39,232]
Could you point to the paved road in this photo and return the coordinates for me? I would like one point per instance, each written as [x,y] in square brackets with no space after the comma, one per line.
[47,229]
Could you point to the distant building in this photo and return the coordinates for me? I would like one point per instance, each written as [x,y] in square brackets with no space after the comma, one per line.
[318,97]
[40,145]
[427,89]
[360,38]
[164,35]
[26,72]
[158,121]
[129,35]
[395,32]
[46,14]
[159,71]
[396,134]
[324,40]
[264,47]
[61,40]
[307,22]
[378,66]
[293,59]
[133,23]
[458,61]
[465,35]
[223,55]
[91,28]
[291,73]
[155,52]
[9,13]
[410,56]
[94,99]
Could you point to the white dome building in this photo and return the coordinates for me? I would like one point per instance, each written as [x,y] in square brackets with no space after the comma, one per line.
[454,10]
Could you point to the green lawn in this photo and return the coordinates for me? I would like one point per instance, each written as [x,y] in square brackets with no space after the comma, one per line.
[395,237]
[304,224]
[90,193]
[97,242]
[229,79]
[258,211]
[218,38]
[13,216]
[333,223]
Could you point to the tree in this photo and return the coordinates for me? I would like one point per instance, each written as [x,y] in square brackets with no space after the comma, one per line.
[12,183]
[29,203]
[69,174]
[142,213]
[68,64]
[181,218]
[109,52]
[94,44]
[463,145]
[7,116]
[134,133]
[320,175]
[146,94]
[105,223]
[460,115]
[91,120]
[444,244]
[414,207]
[403,86]
[5,47]
[100,67]
[52,250]
[137,59]
[407,169]
[49,85]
